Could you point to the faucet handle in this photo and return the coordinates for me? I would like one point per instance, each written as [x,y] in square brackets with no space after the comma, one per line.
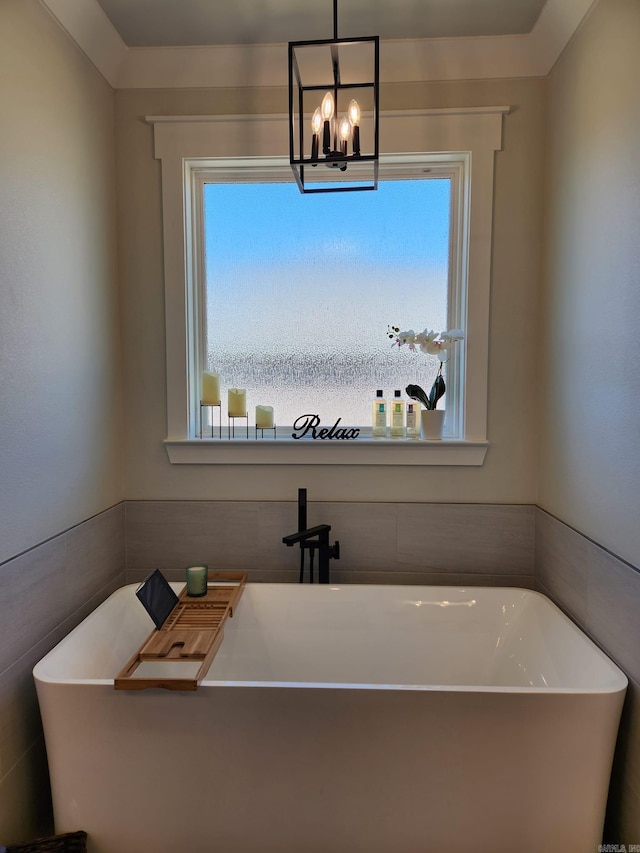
[334,551]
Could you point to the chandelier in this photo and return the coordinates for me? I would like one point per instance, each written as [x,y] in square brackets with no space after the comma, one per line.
[333,112]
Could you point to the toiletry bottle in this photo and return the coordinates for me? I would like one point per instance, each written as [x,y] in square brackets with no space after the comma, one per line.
[413,421]
[379,429]
[397,416]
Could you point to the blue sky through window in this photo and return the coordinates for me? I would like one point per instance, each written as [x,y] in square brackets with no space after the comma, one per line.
[300,290]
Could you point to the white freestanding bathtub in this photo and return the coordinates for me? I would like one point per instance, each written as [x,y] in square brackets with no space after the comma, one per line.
[340,719]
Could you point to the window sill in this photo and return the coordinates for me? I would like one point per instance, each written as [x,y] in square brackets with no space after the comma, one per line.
[306,452]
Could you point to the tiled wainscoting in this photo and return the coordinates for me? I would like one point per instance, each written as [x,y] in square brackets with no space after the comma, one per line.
[45,592]
[602,594]
[379,542]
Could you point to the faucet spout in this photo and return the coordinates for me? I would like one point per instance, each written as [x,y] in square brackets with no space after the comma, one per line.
[321,531]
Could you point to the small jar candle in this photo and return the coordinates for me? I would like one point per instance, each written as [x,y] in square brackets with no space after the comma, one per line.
[197,580]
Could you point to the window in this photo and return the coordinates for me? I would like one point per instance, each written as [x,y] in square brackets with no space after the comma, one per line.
[461,142]
[298,290]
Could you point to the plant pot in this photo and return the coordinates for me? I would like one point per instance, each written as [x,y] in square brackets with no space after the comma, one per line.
[431,423]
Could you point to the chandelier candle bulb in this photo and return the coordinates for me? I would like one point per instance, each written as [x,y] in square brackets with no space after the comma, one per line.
[237,402]
[316,124]
[345,133]
[354,116]
[264,417]
[326,111]
[211,389]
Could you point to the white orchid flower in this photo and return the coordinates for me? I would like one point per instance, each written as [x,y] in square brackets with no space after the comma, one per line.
[433,347]
[406,338]
[438,343]
[428,341]
[428,335]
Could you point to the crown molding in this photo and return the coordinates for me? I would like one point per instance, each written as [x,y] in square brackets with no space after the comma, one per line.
[87,25]
[401,61]
[558,23]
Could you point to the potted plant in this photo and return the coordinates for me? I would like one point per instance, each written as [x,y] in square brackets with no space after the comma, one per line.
[430,343]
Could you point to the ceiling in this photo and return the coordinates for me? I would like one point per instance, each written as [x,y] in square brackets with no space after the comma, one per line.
[182,44]
[163,23]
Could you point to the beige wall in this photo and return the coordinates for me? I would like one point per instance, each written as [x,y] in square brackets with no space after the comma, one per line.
[60,377]
[60,409]
[509,473]
[590,394]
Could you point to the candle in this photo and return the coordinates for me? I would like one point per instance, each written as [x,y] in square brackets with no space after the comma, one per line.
[237,402]
[354,115]
[211,389]
[326,113]
[264,417]
[345,133]
[316,125]
[197,580]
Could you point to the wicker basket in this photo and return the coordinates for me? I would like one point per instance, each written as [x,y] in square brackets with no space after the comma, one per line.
[70,842]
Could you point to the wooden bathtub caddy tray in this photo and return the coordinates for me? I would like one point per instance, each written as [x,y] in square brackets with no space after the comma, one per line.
[192,633]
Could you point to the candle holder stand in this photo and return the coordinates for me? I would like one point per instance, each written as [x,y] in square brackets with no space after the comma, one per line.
[232,424]
[211,406]
[268,429]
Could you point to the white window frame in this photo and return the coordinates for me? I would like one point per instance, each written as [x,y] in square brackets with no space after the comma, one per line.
[188,144]
[269,170]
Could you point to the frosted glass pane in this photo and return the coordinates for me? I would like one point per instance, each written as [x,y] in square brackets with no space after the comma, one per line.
[300,290]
